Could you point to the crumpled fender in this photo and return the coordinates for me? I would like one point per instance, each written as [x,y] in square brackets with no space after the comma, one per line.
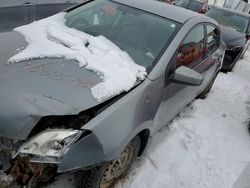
[114,128]
[86,152]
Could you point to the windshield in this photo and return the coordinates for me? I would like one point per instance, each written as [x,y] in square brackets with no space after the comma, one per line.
[195,6]
[142,35]
[229,19]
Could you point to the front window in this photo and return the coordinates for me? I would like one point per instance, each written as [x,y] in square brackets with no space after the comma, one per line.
[191,51]
[232,20]
[141,34]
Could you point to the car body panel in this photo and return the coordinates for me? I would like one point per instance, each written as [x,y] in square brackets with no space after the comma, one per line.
[14,13]
[149,105]
[29,88]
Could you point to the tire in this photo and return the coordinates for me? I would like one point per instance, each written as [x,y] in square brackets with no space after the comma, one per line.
[96,177]
[203,95]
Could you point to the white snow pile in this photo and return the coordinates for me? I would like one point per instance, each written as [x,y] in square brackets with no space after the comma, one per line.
[51,38]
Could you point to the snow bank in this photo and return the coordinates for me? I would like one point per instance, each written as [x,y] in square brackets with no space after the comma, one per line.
[51,38]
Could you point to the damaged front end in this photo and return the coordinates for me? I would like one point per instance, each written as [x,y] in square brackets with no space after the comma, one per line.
[25,173]
[36,160]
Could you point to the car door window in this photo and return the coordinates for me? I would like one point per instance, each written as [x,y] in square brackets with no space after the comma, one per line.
[212,42]
[191,51]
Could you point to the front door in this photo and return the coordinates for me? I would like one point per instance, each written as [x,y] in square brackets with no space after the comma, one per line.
[192,53]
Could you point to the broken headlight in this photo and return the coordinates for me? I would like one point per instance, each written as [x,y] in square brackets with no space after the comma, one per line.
[51,143]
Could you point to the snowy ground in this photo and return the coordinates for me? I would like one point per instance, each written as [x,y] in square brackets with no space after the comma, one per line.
[207,146]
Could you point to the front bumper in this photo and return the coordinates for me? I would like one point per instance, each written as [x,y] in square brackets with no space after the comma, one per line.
[18,170]
[25,173]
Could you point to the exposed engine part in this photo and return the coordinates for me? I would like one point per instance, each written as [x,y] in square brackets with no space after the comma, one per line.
[7,143]
[8,148]
[30,174]
[7,181]
[72,121]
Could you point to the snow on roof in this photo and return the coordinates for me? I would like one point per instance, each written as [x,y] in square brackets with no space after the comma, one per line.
[51,38]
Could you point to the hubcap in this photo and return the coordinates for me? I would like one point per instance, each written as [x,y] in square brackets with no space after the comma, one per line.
[117,167]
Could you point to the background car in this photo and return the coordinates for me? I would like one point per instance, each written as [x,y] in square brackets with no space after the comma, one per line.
[49,117]
[197,6]
[14,13]
[235,30]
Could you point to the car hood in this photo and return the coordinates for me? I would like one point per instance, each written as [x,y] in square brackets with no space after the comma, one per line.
[33,89]
[230,35]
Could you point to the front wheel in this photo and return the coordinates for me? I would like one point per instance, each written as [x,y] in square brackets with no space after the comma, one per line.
[106,176]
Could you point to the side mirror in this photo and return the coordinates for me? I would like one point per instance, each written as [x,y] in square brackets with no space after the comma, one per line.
[187,76]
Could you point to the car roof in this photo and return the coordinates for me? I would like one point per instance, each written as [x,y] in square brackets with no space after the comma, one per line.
[231,11]
[162,9]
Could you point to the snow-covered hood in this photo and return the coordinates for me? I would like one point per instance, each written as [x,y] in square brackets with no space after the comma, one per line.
[32,89]
[45,69]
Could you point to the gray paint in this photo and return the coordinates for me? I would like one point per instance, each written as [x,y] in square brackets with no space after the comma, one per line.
[29,92]
[151,106]
[14,13]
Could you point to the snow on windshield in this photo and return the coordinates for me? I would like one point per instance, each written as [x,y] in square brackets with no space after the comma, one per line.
[51,38]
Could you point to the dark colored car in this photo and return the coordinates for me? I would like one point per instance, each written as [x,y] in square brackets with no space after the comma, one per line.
[14,13]
[235,31]
[194,5]
[50,122]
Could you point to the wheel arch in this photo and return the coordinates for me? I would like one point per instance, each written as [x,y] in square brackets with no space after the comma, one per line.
[144,136]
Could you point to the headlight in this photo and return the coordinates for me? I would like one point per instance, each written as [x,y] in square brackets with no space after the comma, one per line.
[234,48]
[51,143]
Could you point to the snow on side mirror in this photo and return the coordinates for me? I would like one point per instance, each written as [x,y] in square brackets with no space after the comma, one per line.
[187,76]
